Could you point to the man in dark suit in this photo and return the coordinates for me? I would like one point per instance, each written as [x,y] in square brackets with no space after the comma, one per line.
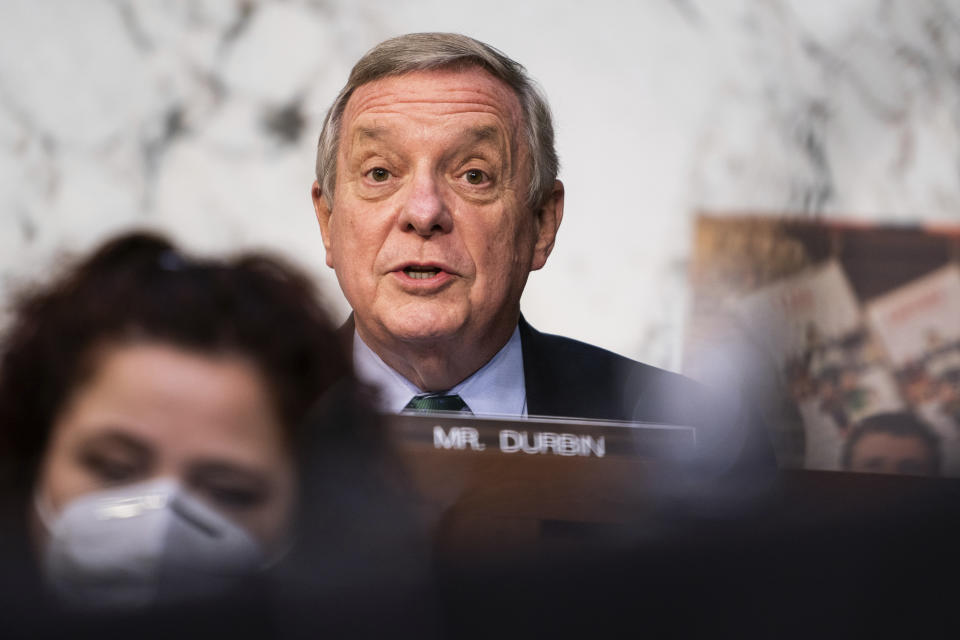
[437,195]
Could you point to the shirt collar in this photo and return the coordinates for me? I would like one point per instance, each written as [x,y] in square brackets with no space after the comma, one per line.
[497,388]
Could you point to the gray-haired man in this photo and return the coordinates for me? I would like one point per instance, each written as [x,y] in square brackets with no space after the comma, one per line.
[437,195]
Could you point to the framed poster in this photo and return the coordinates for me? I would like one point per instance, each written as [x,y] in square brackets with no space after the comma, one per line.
[848,336]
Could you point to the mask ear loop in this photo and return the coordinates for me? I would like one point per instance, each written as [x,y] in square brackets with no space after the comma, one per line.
[44,509]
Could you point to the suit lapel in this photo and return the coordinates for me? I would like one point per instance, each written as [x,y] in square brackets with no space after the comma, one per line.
[345,335]
[537,365]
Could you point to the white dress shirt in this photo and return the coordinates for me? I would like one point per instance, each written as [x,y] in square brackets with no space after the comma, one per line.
[497,388]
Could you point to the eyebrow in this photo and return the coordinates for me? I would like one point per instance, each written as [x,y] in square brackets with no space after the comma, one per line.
[493,136]
[116,438]
[370,133]
[484,134]
[477,134]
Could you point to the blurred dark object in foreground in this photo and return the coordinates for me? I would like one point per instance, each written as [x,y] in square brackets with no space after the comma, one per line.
[361,564]
[826,554]
[808,554]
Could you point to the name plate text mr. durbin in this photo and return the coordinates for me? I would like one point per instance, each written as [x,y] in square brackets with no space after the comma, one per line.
[529,442]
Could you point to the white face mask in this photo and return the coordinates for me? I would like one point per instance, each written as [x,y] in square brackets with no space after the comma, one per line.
[142,544]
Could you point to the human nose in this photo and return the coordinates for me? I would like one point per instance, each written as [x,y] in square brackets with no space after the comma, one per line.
[425,211]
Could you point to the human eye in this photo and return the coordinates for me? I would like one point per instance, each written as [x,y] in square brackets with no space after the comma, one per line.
[229,487]
[378,174]
[111,467]
[476,177]
[235,498]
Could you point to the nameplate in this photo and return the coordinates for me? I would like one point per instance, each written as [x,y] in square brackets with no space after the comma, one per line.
[542,436]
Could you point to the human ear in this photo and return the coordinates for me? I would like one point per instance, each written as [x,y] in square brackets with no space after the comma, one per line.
[323,217]
[548,221]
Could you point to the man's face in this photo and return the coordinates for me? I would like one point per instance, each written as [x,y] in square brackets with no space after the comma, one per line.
[429,234]
[887,453]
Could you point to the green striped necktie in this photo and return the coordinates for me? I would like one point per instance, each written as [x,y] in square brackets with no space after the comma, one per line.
[425,402]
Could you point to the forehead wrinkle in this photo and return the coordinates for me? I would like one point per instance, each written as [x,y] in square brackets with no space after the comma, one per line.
[428,110]
[477,134]
[481,93]
[487,136]
[481,89]
[428,115]
[440,106]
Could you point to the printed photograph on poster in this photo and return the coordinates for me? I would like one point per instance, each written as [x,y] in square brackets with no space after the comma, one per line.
[919,327]
[859,325]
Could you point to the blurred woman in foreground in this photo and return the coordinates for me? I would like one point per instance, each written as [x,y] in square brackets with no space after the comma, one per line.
[150,412]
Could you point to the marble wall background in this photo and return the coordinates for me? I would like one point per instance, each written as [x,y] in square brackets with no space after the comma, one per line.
[199,118]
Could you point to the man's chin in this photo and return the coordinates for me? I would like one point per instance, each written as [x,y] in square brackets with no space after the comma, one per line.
[424,326]
[423,333]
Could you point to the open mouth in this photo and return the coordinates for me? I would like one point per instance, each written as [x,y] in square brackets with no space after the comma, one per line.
[421,273]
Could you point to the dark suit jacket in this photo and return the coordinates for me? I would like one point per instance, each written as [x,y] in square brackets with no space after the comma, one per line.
[568,378]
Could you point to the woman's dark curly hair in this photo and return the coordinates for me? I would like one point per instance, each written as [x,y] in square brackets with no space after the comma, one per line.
[140,287]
